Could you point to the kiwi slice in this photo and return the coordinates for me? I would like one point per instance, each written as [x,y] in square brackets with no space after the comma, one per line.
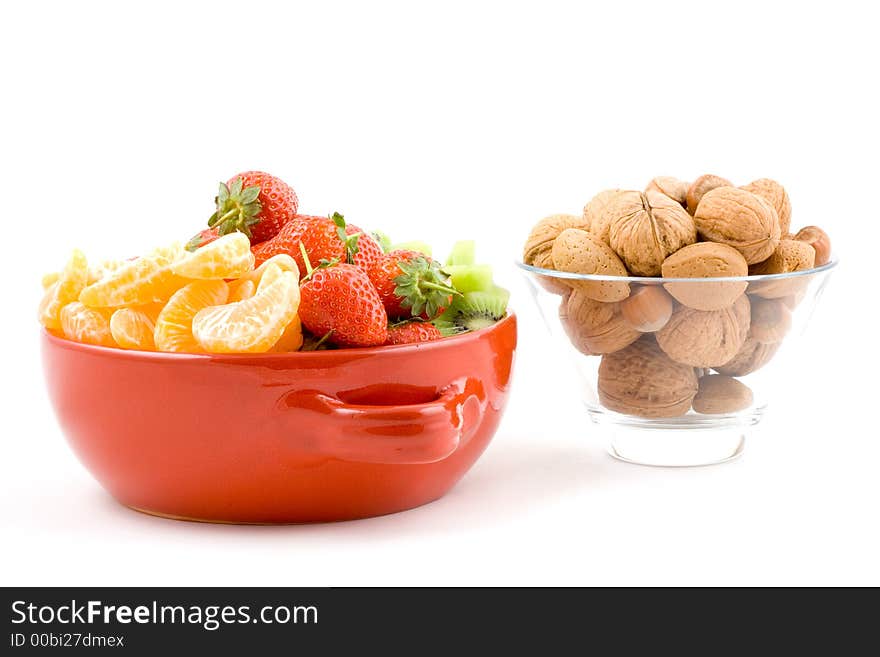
[463,253]
[473,311]
[470,278]
[414,245]
[382,238]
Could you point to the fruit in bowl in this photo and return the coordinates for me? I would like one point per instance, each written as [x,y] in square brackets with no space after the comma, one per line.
[281,367]
[675,298]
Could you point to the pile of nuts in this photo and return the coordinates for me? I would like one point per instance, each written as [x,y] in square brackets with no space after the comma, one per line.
[660,341]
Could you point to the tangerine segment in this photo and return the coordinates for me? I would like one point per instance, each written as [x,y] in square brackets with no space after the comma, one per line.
[282,260]
[132,328]
[241,290]
[49,279]
[174,326]
[84,324]
[250,326]
[292,338]
[66,289]
[97,272]
[147,279]
[273,273]
[228,256]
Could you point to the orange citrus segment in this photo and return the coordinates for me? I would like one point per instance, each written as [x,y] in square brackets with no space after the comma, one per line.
[273,273]
[292,338]
[174,326]
[66,289]
[282,260]
[97,272]
[132,329]
[250,326]
[241,290]
[147,279]
[228,256]
[49,278]
[84,324]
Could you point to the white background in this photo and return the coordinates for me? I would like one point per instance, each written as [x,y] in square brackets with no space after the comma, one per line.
[457,120]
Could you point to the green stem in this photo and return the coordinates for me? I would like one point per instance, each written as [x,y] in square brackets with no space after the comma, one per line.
[437,286]
[305,255]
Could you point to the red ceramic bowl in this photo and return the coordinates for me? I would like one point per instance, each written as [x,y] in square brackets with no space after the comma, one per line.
[272,438]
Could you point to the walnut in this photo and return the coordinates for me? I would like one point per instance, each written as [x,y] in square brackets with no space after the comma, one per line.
[706,260]
[646,228]
[594,213]
[771,320]
[595,327]
[746,222]
[539,243]
[775,194]
[673,188]
[751,357]
[700,186]
[579,252]
[819,240]
[642,380]
[721,394]
[705,338]
[789,256]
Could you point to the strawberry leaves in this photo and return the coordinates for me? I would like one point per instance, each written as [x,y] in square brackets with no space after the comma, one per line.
[350,241]
[238,208]
[422,287]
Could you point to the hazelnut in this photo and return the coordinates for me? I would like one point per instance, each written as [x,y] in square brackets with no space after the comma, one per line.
[539,243]
[819,240]
[775,194]
[647,309]
[705,338]
[706,260]
[673,188]
[642,380]
[721,394]
[700,186]
[595,327]
[746,222]
[646,228]
[789,256]
[579,252]
[771,320]
[594,214]
[751,357]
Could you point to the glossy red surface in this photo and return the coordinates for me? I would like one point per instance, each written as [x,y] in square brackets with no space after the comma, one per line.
[268,438]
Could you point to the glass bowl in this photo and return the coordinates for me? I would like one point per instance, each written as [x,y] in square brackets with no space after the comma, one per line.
[676,371]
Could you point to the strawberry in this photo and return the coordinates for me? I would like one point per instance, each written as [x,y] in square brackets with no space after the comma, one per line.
[254,203]
[201,238]
[318,234]
[368,249]
[410,332]
[411,284]
[338,299]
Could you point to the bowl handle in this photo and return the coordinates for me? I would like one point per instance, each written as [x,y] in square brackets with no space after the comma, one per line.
[404,434]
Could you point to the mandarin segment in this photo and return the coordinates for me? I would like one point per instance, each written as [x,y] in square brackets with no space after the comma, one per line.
[63,291]
[132,328]
[147,279]
[49,279]
[291,339]
[272,274]
[250,326]
[228,256]
[241,289]
[174,326]
[282,260]
[84,324]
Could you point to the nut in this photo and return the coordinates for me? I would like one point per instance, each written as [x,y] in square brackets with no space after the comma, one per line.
[579,252]
[706,260]
[819,240]
[594,212]
[646,228]
[673,188]
[647,309]
[705,338]
[789,256]
[775,194]
[641,380]
[721,394]
[771,320]
[751,357]
[595,327]
[539,243]
[700,186]
[746,222]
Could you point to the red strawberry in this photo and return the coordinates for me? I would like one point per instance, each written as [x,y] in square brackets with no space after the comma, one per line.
[413,332]
[368,249]
[411,284]
[318,235]
[254,203]
[340,300]
[201,238]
